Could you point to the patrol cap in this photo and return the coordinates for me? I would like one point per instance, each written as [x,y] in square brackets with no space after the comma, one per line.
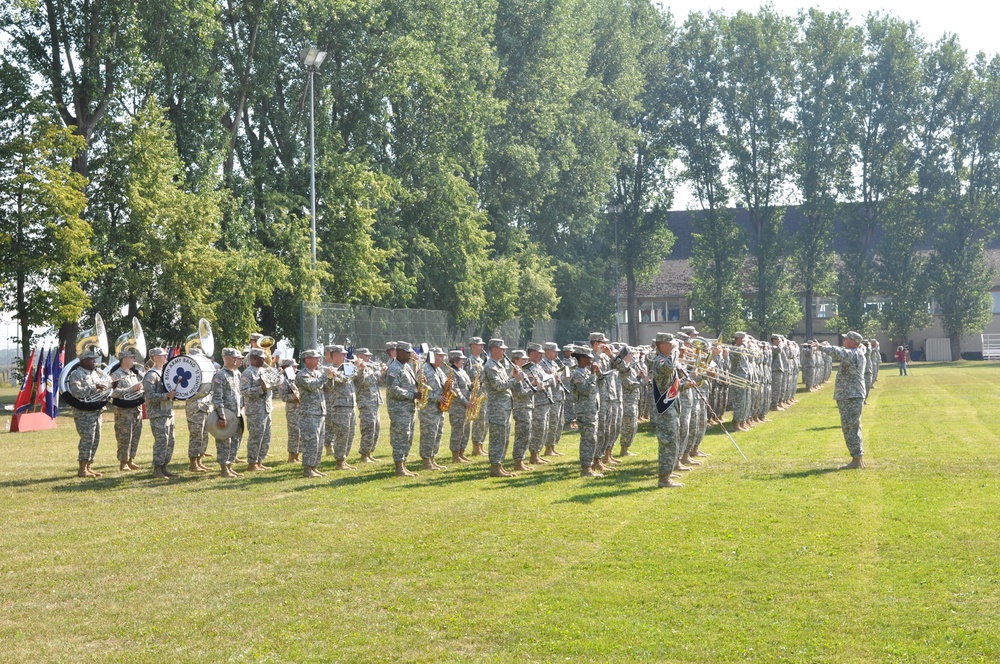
[682,335]
[740,335]
[390,345]
[690,330]
[518,354]
[854,336]
[476,341]
[776,336]
[550,345]
[256,352]
[256,336]
[597,336]
[456,355]
[334,348]
[534,347]
[498,343]
[153,352]
[231,352]
[312,352]
[570,348]
[290,362]
[404,346]
[437,350]
[128,352]
[362,351]
[664,337]
[584,351]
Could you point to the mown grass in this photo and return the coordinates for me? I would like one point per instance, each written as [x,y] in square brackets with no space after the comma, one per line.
[779,558]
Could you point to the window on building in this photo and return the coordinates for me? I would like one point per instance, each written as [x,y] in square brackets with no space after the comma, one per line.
[652,312]
[934,308]
[673,312]
[996,303]
[824,307]
[873,305]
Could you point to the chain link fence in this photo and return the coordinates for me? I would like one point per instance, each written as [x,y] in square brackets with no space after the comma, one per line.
[372,327]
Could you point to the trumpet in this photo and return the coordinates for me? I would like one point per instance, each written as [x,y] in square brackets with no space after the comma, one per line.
[720,376]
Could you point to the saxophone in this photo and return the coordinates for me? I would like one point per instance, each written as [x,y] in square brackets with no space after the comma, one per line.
[478,397]
[421,401]
[448,391]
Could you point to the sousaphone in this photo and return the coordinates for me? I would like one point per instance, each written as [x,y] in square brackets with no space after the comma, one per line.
[95,338]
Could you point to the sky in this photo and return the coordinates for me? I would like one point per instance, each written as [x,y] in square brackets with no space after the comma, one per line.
[975,23]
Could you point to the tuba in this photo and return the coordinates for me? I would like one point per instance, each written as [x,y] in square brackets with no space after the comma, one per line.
[134,341]
[95,338]
[202,339]
[269,373]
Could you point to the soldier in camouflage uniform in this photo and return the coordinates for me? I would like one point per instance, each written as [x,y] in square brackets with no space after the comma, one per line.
[258,403]
[543,403]
[586,400]
[128,418]
[160,411]
[86,384]
[523,397]
[552,365]
[614,391]
[663,374]
[226,396]
[288,392]
[631,387]
[499,404]
[569,409]
[431,416]
[849,392]
[311,416]
[400,396]
[340,408]
[369,396]
[474,367]
[599,347]
[869,368]
[462,388]
[196,410]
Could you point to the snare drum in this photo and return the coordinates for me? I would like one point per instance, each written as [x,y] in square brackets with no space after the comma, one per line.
[190,375]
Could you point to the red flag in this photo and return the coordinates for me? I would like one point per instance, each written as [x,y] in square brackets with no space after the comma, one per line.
[24,396]
[43,373]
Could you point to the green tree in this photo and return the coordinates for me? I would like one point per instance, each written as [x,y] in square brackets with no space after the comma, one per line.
[827,56]
[755,102]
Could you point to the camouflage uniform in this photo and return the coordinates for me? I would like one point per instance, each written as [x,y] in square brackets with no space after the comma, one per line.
[128,419]
[778,370]
[366,387]
[603,386]
[615,407]
[431,417]
[474,367]
[631,388]
[83,385]
[662,372]
[311,413]
[587,404]
[160,411]
[402,386]
[569,408]
[459,439]
[340,416]
[523,396]
[869,371]
[289,393]
[499,404]
[554,421]
[226,394]
[849,393]
[258,403]
[196,410]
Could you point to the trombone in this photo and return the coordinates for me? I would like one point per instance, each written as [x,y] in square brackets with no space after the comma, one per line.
[719,375]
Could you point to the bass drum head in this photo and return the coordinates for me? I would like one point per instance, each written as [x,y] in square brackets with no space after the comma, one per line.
[190,375]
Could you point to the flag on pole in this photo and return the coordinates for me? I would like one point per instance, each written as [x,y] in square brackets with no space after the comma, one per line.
[57,367]
[24,395]
[50,388]
[42,389]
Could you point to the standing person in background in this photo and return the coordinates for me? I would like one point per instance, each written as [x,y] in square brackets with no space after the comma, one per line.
[431,416]
[523,395]
[902,360]
[401,394]
[258,401]
[226,396]
[86,384]
[289,393]
[369,396]
[160,411]
[196,410]
[340,406]
[474,367]
[586,400]
[569,410]
[310,381]
[499,404]
[460,426]
[543,403]
[849,392]
[558,377]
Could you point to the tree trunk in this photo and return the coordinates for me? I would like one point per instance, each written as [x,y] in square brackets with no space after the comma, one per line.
[631,309]
[956,347]
[68,333]
[807,309]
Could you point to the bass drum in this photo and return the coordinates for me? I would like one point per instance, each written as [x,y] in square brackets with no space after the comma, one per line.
[190,375]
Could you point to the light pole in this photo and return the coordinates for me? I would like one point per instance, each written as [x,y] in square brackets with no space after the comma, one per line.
[312,58]
[616,210]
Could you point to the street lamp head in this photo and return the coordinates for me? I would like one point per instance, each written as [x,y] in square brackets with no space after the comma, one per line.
[312,57]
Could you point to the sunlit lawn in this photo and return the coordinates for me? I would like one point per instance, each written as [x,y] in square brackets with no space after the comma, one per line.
[778,558]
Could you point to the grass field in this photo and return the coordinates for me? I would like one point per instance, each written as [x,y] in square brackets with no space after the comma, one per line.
[779,558]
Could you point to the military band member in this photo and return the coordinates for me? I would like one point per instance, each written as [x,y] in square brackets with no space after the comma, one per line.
[460,427]
[849,392]
[599,347]
[663,372]
[369,396]
[631,387]
[558,376]
[431,416]
[257,397]
[499,404]
[226,396]
[543,402]
[340,408]
[586,393]
[400,397]
[196,410]
[160,411]
[310,381]
[128,418]
[289,393]
[86,384]
[569,409]
[523,398]
[474,367]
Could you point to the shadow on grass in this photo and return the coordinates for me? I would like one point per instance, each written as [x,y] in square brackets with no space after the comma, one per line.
[594,496]
[798,474]
[832,426]
[14,484]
